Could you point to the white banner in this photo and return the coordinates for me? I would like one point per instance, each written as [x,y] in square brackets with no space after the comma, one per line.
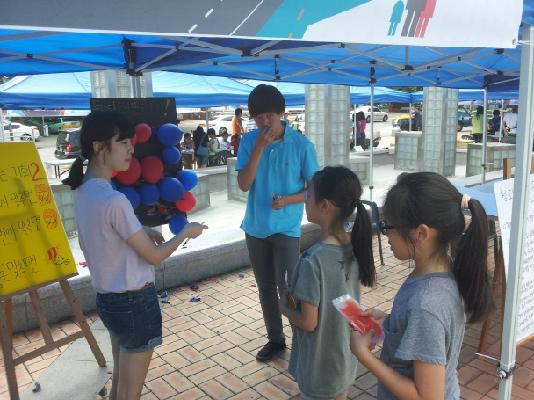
[504,192]
[441,23]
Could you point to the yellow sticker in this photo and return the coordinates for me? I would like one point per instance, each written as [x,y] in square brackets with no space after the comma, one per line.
[34,248]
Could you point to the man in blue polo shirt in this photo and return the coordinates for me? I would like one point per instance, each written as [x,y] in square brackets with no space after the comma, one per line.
[274,163]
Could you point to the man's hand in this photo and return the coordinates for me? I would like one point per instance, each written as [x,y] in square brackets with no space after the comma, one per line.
[265,138]
[278,203]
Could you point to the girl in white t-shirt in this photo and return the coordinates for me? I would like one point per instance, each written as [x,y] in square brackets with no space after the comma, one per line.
[119,251]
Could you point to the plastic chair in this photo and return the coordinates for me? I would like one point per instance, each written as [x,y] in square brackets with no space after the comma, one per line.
[374,214]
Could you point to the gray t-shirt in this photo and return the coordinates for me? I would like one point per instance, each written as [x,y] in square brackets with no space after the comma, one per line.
[321,360]
[427,324]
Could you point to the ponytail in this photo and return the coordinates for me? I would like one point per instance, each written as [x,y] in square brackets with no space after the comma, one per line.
[362,245]
[75,177]
[470,265]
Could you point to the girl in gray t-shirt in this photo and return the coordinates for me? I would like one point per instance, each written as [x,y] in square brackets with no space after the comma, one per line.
[423,334]
[320,360]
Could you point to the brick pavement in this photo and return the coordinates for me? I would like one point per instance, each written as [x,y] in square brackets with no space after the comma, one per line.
[209,346]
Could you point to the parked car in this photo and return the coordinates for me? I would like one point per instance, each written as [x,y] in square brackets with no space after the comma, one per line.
[402,121]
[17,131]
[68,144]
[377,114]
[63,125]
[222,123]
[249,125]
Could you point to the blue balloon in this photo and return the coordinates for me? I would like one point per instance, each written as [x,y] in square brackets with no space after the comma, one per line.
[149,194]
[171,155]
[169,134]
[113,185]
[132,195]
[188,178]
[171,189]
[177,223]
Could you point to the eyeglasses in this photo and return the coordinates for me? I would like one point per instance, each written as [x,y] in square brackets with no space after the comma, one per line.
[384,227]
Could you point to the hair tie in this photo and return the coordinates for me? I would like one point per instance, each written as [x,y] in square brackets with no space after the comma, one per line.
[465,201]
[355,204]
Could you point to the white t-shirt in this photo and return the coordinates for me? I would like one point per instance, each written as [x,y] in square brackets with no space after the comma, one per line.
[510,119]
[224,145]
[105,220]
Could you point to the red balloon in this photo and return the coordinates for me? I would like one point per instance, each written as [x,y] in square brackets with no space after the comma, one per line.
[114,174]
[151,169]
[132,174]
[143,132]
[134,140]
[187,203]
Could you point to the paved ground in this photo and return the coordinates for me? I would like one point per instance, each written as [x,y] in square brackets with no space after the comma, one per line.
[209,346]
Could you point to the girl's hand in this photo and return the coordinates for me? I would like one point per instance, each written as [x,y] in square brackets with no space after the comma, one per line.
[360,345]
[154,235]
[194,229]
[376,314]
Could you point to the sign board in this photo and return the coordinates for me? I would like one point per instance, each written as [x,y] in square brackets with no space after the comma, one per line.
[154,111]
[34,249]
[504,192]
[398,22]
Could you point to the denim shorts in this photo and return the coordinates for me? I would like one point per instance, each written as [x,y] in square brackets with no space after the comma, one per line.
[133,318]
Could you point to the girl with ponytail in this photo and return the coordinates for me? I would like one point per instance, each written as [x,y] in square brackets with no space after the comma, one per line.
[335,266]
[119,251]
[424,219]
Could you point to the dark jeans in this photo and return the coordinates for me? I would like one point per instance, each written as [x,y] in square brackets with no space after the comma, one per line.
[271,258]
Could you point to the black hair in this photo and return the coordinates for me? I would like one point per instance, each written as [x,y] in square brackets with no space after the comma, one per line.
[480,110]
[429,198]
[238,111]
[343,188]
[187,135]
[97,126]
[265,99]
[211,131]
[496,112]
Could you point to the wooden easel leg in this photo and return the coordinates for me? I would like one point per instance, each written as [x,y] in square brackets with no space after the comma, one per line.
[6,332]
[498,277]
[80,318]
[39,314]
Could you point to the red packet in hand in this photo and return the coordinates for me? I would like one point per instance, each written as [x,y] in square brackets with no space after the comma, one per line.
[351,310]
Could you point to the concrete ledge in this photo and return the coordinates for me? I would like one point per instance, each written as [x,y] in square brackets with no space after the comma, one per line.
[178,270]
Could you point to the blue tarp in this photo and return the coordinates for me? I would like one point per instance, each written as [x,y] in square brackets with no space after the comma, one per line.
[73,91]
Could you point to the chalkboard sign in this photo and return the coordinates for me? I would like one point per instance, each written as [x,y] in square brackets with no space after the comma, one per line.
[504,192]
[154,111]
[34,249]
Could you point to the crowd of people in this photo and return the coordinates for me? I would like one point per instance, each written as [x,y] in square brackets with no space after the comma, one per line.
[423,219]
[204,149]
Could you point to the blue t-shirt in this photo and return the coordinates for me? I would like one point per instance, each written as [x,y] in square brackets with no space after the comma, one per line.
[284,168]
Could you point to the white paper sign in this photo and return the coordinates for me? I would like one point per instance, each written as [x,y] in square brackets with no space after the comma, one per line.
[504,192]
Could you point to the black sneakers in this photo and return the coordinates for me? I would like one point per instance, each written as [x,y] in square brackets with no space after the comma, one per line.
[270,350]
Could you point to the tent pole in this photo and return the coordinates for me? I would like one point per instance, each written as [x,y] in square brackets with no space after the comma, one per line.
[2,136]
[410,117]
[354,125]
[372,140]
[501,131]
[519,214]
[484,135]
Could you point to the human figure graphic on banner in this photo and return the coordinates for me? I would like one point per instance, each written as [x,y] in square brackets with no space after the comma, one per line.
[414,8]
[396,16]
[119,251]
[274,163]
[424,18]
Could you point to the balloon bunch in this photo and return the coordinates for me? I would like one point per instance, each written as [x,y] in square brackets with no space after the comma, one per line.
[155,184]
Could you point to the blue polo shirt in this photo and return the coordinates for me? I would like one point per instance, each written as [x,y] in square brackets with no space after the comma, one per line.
[284,168]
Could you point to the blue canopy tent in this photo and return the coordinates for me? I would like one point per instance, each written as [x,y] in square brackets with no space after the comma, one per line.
[73,91]
[474,94]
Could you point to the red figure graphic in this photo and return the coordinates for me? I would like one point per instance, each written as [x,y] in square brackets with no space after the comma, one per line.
[426,14]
